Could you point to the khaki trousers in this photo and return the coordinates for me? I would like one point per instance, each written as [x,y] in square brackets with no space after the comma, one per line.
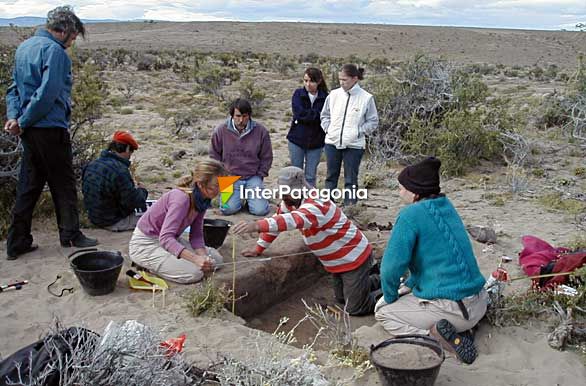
[147,252]
[126,224]
[412,315]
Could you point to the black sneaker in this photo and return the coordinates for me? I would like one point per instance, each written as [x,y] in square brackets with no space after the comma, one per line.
[14,255]
[80,241]
[459,344]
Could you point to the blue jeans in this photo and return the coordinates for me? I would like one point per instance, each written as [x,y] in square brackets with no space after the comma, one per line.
[297,154]
[256,206]
[351,158]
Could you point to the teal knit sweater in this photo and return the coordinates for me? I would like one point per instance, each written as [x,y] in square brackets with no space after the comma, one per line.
[430,240]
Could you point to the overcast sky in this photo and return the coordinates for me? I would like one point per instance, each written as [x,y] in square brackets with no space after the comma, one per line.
[530,14]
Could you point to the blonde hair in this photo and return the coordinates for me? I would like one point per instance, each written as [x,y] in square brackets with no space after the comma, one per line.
[202,172]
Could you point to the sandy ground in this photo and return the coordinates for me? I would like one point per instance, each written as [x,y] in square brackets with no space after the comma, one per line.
[508,356]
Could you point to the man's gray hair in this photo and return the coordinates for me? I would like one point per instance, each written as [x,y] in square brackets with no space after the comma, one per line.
[62,19]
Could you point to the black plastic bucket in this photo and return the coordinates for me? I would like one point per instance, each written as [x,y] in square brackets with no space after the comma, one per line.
[97,271]
[413,377]
[215,231]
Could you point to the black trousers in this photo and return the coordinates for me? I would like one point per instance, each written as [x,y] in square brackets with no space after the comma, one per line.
[357,289]
[46,158]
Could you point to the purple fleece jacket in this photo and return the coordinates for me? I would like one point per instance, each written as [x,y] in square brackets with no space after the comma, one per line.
[245,155]
[168,217]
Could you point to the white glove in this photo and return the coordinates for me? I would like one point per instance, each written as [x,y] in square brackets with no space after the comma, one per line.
[380,303]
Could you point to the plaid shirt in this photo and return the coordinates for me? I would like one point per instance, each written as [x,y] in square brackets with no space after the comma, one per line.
[109,194]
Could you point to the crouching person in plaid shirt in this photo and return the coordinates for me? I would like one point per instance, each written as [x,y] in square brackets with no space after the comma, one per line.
[340,246]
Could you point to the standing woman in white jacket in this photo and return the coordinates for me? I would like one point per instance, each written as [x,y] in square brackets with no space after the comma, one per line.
[348,116]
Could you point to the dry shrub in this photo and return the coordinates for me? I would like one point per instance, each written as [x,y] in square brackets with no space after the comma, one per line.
[433,108]
[520,307]
[268,363]
[557,202]
[250,92]
[461,141]
[207,297]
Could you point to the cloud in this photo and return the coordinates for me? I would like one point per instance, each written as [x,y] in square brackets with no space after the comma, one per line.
[540,14]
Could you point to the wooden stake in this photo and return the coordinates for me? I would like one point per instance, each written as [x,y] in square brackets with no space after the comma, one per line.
[233,275]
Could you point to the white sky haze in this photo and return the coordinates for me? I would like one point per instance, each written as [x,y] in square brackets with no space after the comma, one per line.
[526,14]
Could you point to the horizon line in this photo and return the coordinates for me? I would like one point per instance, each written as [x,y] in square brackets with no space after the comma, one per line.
[90,21]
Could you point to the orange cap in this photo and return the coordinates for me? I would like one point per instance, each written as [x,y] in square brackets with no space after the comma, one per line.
[125,137]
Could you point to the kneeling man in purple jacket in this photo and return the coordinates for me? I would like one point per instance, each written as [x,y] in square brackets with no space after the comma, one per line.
[244,147]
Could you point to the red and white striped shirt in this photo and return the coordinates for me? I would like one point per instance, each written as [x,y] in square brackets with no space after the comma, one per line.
[331,236]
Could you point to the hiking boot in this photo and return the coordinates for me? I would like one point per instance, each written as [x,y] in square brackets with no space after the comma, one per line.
[80,241]
[14,255]
[459,344]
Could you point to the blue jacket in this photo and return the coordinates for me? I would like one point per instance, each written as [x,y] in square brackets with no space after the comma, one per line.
[109,194]
[306,131]
[430,240]
[40,93]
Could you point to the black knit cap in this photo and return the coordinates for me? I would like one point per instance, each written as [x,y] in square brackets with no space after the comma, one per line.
[423,177]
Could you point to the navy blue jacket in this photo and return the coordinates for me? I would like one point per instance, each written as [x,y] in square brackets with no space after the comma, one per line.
[306,131]
[109,194]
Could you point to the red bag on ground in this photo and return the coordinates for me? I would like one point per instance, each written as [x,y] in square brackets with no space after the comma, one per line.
[538,254]
[566,263]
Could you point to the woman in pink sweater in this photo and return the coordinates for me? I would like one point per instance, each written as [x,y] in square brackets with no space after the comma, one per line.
[156,243]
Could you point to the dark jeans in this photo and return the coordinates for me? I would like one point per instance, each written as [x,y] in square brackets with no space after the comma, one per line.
[357,289]
[46,158]
[351,158]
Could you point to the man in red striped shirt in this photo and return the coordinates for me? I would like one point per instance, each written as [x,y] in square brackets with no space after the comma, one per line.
[340,246]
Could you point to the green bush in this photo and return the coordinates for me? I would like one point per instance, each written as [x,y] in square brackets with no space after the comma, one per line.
[210,79]
[482,69]
[557,202]
[7,196]
[250,92]
[6,64]
[468,89]
[577,82]
[461,140]
[430,107]
[89,92]
[536,73]
[512,73]
[552,113]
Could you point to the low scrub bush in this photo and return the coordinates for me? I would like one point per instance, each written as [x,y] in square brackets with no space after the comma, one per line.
[249,91]
[460,141]
[431,107]
[210,79]
[207,297]
[553,113]
[556,202]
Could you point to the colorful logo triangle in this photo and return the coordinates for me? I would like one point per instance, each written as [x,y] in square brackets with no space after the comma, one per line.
[226,184]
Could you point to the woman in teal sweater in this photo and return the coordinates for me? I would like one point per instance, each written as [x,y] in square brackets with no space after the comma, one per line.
[444,293]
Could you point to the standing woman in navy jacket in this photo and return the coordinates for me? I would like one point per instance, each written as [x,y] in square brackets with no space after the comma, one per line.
[306,137]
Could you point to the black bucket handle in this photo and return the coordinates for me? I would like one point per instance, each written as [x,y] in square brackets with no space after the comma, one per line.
[90,250]
[405,339]
[82,250]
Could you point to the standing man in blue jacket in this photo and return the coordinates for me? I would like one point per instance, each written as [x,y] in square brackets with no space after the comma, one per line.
[38,109]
